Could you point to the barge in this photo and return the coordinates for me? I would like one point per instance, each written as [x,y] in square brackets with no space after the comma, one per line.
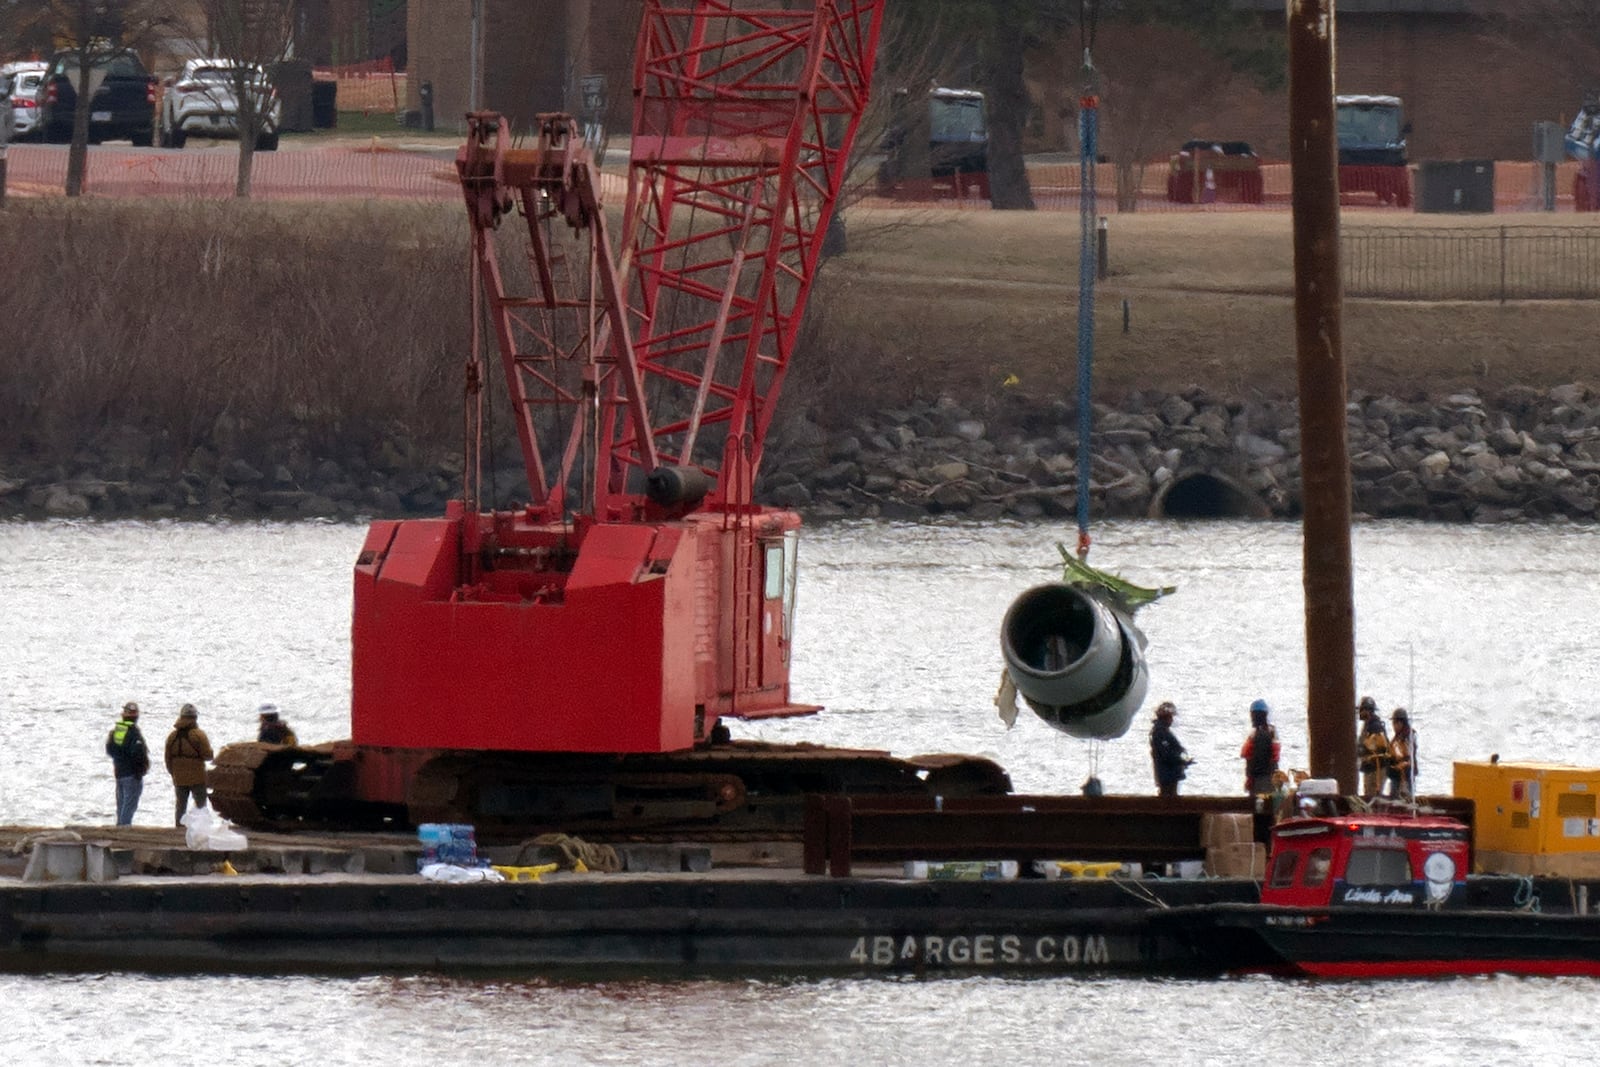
[1346,894]
[139,899]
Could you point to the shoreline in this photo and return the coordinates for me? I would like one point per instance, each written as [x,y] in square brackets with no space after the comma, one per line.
[1525,455]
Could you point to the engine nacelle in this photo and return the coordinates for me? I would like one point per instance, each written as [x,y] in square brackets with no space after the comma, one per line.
[1076,660]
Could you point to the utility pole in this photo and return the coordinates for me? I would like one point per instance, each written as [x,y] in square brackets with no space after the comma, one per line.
[1319,357]
[580,56]
[475,59]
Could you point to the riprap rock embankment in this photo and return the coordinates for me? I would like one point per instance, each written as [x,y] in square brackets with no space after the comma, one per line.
[1522,454]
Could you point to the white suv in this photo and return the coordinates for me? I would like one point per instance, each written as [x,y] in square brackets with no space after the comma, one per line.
[203,100]
[21,82]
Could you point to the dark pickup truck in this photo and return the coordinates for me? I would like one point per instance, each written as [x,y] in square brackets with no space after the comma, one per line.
[122,104]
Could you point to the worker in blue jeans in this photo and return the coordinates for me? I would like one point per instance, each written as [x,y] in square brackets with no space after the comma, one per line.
[130,761]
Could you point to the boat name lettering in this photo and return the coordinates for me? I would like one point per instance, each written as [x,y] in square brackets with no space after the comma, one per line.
[1377,896]
[982,950]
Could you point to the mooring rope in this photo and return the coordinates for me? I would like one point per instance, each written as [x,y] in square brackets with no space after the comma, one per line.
[574,850]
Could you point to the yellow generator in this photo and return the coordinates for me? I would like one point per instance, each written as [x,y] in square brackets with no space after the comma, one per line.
[1533,818]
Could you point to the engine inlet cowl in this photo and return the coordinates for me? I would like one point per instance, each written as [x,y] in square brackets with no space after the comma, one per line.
[1077,660]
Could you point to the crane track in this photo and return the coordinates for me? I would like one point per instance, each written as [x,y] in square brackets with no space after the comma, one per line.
[734,791]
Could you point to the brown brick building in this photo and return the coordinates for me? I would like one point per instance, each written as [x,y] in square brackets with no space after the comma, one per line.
[1473,84]
[1474,79]
[534,54]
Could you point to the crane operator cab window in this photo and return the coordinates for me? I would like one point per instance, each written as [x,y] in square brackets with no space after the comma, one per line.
[779,578]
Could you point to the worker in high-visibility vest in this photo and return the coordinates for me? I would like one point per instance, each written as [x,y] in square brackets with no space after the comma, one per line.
[130,761]
[1373,749]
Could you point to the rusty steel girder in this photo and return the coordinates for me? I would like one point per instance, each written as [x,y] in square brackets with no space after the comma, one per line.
[841,831]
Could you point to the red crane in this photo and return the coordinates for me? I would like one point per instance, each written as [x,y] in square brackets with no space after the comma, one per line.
[528,663]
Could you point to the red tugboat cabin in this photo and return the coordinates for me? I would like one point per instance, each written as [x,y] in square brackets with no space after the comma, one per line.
[1402,861]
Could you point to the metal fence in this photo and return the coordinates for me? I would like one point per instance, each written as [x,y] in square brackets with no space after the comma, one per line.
[1481,263]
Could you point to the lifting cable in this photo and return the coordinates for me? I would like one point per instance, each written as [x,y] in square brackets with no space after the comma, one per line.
[1088,137]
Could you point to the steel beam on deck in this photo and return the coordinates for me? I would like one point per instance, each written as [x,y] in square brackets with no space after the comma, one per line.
[841,831]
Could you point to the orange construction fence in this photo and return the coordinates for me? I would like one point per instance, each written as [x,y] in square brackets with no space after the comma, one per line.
[373,86]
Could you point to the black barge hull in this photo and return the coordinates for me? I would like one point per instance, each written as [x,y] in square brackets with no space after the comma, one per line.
[679,924]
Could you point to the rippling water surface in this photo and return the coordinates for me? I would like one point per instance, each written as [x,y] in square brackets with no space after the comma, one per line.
[1489,635]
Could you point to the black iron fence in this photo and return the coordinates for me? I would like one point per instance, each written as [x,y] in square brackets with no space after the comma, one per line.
[1481,263]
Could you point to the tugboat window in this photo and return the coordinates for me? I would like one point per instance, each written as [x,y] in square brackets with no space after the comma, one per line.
[1377,866]
[1283,869]
[1317,865]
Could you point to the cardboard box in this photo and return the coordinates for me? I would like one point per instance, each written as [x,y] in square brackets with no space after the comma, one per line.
[1239,860]
[1226,828]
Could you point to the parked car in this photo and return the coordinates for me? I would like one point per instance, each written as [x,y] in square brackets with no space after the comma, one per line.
[122,103]
[20,83]
[204,100]
[1207,171]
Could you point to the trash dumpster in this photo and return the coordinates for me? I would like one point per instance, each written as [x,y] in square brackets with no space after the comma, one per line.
[292,80]
[325,104]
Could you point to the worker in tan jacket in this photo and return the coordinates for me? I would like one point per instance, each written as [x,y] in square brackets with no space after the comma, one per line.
[188,749]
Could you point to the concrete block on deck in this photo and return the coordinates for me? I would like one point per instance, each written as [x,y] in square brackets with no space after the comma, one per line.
[665,859]
[70,861]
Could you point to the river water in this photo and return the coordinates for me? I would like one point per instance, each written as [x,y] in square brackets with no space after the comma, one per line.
[1489,636]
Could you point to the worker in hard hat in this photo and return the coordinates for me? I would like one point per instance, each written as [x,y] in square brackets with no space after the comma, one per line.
[1402,757]
[1167,752]
[1260,752]
[1373,747]
[130,761]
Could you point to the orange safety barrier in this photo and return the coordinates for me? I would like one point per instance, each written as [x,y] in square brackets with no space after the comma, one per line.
[373,86]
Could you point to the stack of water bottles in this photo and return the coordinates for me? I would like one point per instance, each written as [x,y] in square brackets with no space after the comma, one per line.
[451,844]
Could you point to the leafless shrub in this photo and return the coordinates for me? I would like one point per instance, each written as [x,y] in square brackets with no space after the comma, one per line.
[323,320]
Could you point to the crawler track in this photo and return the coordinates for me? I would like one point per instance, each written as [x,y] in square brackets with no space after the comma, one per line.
[732,789]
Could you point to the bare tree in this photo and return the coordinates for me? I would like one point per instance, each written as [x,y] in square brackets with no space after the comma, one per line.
[1162,65]
[250,38]
[93,32]
[1150,105]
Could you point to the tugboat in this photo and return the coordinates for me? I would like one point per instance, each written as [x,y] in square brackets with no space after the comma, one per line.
[1387,893]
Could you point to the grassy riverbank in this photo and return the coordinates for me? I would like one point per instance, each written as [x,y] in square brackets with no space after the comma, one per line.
[961,302]
[350,320]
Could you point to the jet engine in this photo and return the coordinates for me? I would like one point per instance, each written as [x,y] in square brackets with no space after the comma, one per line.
[1077,660]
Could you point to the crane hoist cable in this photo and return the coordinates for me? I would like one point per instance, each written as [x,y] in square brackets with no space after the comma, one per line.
[1088,210]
